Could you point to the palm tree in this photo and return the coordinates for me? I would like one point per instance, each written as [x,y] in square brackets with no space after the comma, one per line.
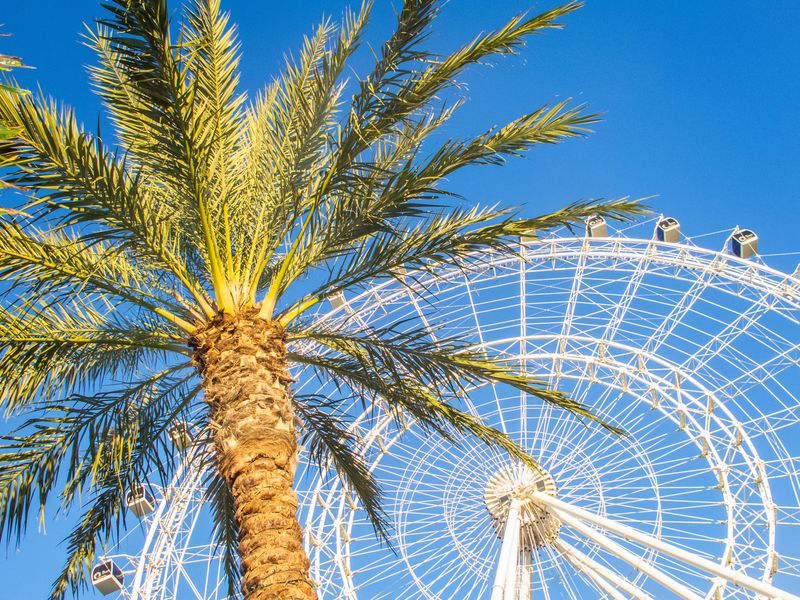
[168,276]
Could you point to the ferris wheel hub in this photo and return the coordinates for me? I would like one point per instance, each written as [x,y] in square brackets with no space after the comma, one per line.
[539,526]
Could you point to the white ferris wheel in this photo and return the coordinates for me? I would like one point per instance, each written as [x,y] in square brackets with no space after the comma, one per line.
[694,351]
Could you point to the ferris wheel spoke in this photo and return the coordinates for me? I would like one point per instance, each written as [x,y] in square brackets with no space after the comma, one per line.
[765,370]
[723,339]
[621,467]
[632,559]
[523,334]
[574,293]
[440,565]
[623,304]
[601,404]
[478,331]
[589,438]
[569,310]
[181,570]
[612,450]
[577,425]
[412,296]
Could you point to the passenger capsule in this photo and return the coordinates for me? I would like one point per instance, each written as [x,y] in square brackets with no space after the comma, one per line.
[668,230]
[140,501]
[744,243]
[107,577]
[181,435]
[596,227]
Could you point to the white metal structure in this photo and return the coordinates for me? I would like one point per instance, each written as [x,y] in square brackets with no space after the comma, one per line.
[695,352]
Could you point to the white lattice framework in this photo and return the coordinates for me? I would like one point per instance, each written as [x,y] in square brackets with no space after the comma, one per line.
[695,352]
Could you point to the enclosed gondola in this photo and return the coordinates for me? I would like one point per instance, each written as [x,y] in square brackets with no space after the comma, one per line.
[596,227]
[744,243]
[107,577]
[181,435]
[668,230]
[140,500]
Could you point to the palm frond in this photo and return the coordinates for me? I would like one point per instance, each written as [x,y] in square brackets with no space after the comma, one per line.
[211,64]
[399,55]
[55,264]
[331,443]
[136,416]
[372,384]
[441,73]
[101,522]
[48,350]
[82,440]
[374,199]
[381,253]
[76,181]
[403,351]
[286,131]
[389,71]
[395,96]
[106,443]
[373,203]
[546,125]
[138,35]
[289,134]
[104,512]
[226,529]
[456,239]
[411,90]
[140,81]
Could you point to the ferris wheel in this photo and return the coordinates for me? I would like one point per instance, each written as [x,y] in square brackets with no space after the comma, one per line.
[694,352]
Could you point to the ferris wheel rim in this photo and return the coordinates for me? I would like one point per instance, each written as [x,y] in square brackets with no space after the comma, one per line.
[594,247]
[599,249]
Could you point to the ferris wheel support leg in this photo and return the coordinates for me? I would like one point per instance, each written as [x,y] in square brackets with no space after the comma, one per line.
[594,577]
[750,583]
[637,562]
[509,551]
[512,573]
[526,568]
[588,565]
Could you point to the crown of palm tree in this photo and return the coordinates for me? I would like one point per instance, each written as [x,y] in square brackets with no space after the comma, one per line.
[209,207]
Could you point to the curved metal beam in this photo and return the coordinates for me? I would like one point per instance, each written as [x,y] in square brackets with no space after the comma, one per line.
[570,513]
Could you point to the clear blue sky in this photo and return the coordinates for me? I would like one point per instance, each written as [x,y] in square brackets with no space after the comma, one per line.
[700,101]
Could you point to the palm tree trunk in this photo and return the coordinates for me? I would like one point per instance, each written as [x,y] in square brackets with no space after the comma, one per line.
[246,380]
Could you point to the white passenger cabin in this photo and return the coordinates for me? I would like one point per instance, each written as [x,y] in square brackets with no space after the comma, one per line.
[107,577]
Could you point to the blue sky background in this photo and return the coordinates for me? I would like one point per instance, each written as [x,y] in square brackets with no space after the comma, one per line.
[700,103]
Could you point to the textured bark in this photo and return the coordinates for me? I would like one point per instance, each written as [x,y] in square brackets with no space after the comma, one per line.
[246,381]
